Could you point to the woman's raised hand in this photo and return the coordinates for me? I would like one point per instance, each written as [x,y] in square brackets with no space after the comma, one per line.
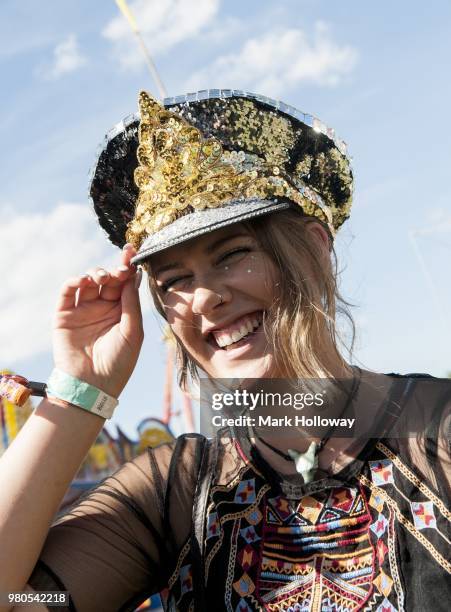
[98,328]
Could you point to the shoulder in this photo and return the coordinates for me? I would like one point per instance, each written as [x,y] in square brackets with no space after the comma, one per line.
[421,438]
[426,401]
[182,457]
[161,462]
[185,447]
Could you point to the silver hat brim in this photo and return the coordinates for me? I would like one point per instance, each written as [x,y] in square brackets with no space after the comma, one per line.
[204,221]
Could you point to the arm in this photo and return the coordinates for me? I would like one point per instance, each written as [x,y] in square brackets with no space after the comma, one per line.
[120,543]
[97,337]
[110,550]
[35,472]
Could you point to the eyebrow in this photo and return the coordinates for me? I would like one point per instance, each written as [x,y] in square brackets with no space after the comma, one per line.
[212,247]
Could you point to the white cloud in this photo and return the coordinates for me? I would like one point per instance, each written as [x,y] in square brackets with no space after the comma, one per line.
[163,24]
[40,251]
[278,61]
[66,58]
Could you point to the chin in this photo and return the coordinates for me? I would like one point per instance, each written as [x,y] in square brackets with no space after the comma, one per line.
[259,368]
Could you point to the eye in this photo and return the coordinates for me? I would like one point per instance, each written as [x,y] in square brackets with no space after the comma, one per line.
[171,282]
[233,252]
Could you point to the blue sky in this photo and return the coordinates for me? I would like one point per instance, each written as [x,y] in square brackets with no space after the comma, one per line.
[377,73]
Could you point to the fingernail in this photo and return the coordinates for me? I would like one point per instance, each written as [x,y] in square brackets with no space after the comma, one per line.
[102,273]
[123,268]
[127,246]
[138,278]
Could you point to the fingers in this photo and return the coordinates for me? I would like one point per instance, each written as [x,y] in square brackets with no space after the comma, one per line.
[131,319]
[68,295]
[111,290]
[108,285]
[98,282]
[127,253]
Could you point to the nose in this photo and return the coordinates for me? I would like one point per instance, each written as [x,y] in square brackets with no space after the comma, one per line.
[205,300]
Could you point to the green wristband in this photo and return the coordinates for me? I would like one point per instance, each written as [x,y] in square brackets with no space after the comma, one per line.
[70,389]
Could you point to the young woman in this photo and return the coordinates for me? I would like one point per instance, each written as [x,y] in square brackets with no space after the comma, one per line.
[232,209]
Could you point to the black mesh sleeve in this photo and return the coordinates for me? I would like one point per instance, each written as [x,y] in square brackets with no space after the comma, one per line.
[118,544]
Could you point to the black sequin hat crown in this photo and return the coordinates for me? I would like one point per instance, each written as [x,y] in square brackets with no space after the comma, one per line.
[198,162]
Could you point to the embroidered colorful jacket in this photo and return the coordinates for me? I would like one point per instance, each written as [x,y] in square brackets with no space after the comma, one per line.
[379,542]
[228,533]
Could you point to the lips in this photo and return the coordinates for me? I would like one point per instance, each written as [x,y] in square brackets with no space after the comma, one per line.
[239,329]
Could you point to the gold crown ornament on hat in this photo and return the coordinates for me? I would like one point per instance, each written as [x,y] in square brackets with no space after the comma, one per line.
[178,169]
[211,150]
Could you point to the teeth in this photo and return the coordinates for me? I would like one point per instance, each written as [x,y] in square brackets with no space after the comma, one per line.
[246,328]
[228,339]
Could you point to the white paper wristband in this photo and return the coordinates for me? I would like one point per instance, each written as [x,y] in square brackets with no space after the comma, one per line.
[70,389]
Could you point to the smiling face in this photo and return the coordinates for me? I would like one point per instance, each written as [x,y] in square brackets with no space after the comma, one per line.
[214,290]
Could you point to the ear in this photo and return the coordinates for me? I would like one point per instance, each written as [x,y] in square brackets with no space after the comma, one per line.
[320,234]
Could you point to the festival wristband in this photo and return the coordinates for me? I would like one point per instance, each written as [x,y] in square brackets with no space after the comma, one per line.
[79,393]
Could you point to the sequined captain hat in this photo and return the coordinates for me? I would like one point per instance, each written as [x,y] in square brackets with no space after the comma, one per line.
[201,161]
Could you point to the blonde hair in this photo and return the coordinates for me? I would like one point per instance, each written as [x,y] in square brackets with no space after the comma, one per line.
[302,318]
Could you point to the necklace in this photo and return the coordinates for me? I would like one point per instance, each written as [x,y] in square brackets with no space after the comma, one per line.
[306,463]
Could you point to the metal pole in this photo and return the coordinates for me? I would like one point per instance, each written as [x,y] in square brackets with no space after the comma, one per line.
[152,68]
[125,10]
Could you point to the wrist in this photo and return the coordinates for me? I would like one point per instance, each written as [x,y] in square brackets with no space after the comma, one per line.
[71,390]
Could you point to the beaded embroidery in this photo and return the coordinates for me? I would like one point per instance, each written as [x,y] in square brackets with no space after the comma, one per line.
[334,550]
